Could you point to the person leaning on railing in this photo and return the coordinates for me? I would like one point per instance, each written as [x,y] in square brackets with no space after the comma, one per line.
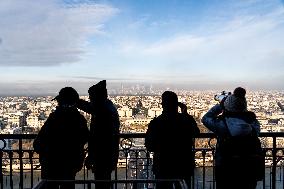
[60,142]
[237,142]
[170,137]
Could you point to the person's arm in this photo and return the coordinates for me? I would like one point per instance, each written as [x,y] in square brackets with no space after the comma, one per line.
[211,121]
[256,126]
[85,133]
[37,144]
[85,106]
[195,129]
[183,108]
[40,140]
[150,137]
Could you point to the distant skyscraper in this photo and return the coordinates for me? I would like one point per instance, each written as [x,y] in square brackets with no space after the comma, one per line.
[122,90]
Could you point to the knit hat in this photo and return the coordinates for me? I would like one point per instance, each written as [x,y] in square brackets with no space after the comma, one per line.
[234,103]
[99,89]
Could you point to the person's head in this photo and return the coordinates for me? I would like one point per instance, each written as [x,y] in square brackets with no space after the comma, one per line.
[67,96]
[98,92]
[237,101]
[170,101]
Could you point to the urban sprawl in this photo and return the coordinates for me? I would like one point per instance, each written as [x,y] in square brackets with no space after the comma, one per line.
[26,115]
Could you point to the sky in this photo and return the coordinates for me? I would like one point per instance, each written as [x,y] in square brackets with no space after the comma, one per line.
[196,44]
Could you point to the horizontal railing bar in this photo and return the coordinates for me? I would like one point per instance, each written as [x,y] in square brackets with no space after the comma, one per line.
[138,135]
[120,181]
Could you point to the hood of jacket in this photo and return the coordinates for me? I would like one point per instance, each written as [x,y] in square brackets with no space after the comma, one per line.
[241,124]
[238,127]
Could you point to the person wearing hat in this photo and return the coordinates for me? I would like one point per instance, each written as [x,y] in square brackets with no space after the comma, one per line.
[60,141]
[229,120]
[170,137]
[103,145]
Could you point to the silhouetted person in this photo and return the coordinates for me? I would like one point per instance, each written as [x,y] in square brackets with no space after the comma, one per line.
[103,146]
[60,142]
[237,130]
[170,137]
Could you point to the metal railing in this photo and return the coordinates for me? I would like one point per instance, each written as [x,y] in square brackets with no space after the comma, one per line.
[117,184]
[20,164]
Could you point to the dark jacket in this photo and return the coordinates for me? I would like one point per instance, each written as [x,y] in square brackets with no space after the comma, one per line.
[170,137]
[60,142]
[103,146]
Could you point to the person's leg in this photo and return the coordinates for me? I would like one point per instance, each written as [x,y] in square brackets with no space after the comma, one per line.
[247,183]
[68,175]
[163,184]
[102,174]
[48,174]
[223,180]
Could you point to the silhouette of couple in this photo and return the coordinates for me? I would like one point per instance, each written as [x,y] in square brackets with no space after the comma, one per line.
[60,142]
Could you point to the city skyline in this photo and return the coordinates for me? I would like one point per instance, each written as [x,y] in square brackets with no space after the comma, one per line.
[196,45]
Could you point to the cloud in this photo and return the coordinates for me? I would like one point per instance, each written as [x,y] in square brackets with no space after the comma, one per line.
[244,45]
[46,33]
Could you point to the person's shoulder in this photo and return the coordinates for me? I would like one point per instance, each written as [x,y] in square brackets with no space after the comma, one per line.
[161,117]
[156,120]
[109,106]
[108,102]
[52,115]
[186,117]
[251,115]
[247,116]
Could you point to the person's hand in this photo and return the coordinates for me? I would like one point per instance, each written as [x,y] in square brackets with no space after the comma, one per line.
[183,107]
[222,102]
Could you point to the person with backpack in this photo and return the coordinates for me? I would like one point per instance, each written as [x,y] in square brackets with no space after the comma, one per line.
[239,158]
[60,141]
[170,136]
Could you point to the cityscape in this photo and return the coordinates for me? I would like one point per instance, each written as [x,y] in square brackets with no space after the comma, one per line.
[26,115]
[197,49]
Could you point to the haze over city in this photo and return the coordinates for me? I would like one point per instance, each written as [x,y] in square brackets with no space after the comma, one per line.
[195,45]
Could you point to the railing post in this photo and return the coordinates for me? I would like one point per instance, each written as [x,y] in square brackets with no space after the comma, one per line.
[263,181]
[203,168]
[283,177]
[274,151]
[11,169]
[32,168]
[214,181]
[1,172]
[21,184]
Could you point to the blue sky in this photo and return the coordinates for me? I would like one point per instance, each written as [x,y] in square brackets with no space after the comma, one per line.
[208,44]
